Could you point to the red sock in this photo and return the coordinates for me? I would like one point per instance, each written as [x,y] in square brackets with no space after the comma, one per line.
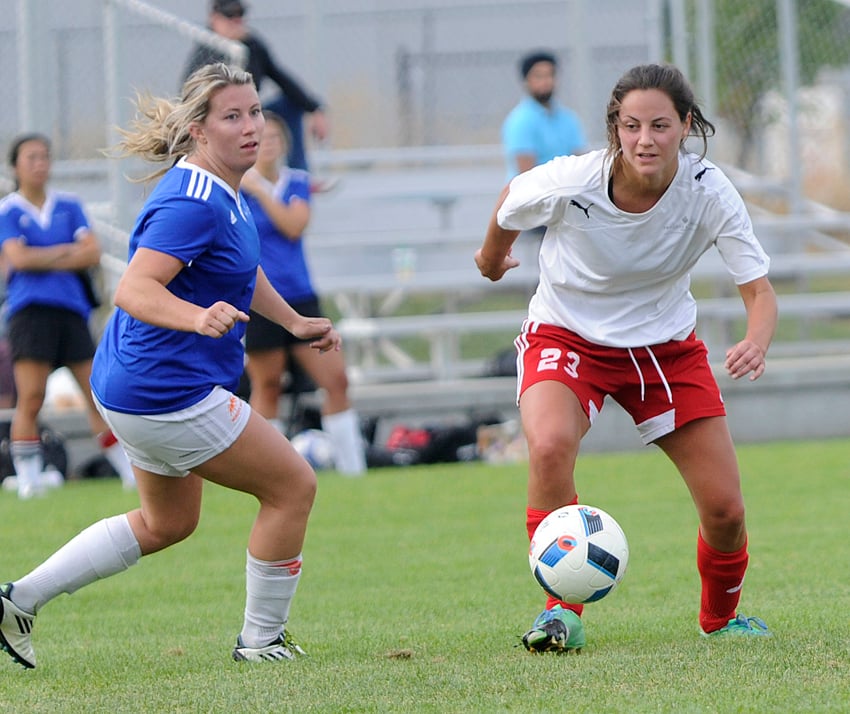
[533,517]
[722,576]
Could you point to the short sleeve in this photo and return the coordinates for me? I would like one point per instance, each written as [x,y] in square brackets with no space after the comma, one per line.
[535,198]
[80,221]
[181,227]
[8,226]
[297,186]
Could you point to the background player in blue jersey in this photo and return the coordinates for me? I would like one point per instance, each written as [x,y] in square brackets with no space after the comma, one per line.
[169,362]
[46,241]
[279,198]
[613,316]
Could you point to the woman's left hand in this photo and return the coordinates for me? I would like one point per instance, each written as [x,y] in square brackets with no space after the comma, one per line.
[320,330]
[745,358]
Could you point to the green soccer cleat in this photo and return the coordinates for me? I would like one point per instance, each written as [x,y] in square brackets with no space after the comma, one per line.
[741,626]
[555,630]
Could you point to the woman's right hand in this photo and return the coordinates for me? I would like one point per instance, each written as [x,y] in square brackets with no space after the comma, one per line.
[491,271]
[219,319]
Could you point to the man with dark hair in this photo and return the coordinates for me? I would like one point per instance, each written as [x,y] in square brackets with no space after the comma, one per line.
[539,128]
[227,18]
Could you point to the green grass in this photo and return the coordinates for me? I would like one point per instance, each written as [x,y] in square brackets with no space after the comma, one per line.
[416,587]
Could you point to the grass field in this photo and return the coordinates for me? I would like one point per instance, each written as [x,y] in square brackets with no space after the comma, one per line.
[416,589]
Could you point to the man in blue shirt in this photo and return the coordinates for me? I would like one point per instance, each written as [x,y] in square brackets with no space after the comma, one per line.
[539,128]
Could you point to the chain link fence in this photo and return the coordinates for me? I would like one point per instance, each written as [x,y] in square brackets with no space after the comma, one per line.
[780,87]
[393,73]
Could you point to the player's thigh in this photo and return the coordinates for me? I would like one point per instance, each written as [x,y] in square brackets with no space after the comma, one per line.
[31,378]
[263,463]
[326,369]
[704,454]
[552,418]
[81,372]
[266,365]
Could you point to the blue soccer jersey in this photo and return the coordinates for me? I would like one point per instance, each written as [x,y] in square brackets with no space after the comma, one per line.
[60,220]
[282,257]
[197,218]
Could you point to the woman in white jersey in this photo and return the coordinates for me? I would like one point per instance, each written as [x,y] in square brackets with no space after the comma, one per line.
[169,361]
[613,316]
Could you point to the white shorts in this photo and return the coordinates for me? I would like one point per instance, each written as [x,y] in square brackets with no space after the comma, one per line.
[173,444]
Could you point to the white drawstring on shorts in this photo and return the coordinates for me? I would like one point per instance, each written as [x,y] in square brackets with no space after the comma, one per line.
[657,369]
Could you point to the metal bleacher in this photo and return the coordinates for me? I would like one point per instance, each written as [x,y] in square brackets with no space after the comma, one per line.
[391,251]
[371,270]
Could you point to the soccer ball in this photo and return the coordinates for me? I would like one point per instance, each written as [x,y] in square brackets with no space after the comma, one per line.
[578,554]
[316,447]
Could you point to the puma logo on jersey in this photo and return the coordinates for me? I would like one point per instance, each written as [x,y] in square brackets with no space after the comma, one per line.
[586,210]
[699,176]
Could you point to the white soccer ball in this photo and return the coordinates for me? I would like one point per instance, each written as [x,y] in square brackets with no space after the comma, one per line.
[578,554]
[316,447]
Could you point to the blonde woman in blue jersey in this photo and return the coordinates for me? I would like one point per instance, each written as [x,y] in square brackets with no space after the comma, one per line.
[170,359]
[613,316]
[47,241]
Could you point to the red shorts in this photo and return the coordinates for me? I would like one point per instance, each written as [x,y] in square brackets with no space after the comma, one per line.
[662,387]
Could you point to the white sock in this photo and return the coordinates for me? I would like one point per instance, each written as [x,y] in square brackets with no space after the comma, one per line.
[29,463]
[270,588]
[344,430]
[103,549]
[117,458]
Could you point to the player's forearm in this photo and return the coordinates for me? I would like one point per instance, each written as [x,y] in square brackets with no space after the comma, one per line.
[61,256]
[761,321]
[149,301]
[762,312]
[289,219]
[497,241]
[268,303]
[84,253]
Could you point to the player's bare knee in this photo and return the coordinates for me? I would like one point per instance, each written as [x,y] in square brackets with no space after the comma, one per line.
[162,533]
[551,448]
[337,383]
[305,486]
[724,520]
[296,490]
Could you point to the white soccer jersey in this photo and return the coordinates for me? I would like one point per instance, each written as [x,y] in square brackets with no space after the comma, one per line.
[623,279]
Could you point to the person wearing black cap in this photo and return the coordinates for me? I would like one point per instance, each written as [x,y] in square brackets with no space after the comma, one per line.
[227,18]
[539,128]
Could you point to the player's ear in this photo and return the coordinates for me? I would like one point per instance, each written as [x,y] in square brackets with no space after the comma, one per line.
[196,131]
